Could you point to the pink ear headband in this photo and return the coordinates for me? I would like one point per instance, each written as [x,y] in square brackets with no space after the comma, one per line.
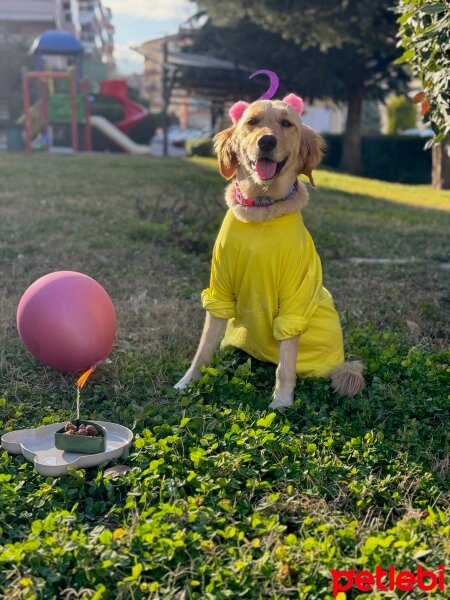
[239,107]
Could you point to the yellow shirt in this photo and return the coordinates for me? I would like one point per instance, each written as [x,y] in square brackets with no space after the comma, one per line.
[266,278]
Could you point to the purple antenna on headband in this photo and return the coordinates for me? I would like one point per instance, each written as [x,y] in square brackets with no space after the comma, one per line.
[274,83]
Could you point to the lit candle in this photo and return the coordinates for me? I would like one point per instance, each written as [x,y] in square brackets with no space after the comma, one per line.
[80,383]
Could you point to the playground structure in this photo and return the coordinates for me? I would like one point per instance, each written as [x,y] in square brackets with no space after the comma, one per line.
[133,113]
[34,124]
[65,102]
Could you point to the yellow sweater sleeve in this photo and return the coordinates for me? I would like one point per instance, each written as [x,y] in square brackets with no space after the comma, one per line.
[219,299]
[299,296]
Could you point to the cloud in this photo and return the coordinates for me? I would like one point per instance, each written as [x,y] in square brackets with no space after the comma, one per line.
[155,10]
[123,51]
[127,60]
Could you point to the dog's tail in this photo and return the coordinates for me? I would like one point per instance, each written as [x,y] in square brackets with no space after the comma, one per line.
[348,379]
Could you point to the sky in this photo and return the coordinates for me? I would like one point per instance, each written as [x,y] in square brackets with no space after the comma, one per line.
[137,21]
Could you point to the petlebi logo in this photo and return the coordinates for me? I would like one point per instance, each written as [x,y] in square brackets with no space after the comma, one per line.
[389,579]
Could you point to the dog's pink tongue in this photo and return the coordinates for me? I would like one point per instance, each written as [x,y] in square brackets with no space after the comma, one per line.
[265,168]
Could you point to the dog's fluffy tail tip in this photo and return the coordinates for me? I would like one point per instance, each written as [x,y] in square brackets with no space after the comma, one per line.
[348,379]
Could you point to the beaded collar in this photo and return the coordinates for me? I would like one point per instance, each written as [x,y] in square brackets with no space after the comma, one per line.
[261,201]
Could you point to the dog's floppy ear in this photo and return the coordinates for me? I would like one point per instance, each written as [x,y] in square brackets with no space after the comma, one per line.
[312,147]
[228,162]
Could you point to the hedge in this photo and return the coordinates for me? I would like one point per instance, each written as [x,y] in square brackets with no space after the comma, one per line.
[107,107]
[143,132]
[200,147]
[397,158]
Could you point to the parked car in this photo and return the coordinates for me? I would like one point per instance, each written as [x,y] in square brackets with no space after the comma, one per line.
[179,138]
[427,132]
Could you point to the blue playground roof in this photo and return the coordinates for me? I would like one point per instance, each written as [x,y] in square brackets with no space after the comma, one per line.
[57,42]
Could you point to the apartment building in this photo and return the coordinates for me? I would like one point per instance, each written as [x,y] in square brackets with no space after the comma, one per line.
[29,18]
[97,30]
[88,20]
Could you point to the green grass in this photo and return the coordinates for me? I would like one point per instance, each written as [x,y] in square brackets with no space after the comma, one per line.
[224,499]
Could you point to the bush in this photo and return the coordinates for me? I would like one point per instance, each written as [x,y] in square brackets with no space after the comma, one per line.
[371,120]
[388,157]
[200,147]
[143,132]
[107,107]
[402,114]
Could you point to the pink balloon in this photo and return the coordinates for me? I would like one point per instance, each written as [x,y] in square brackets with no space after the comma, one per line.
[67,321]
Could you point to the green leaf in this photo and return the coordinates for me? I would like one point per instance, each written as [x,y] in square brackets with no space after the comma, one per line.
[406,56]
[291,539]
[36,527]
[266,421]
[99,592]
[136,570]
[105,537]
[405,17]
[430,9]
[212,371]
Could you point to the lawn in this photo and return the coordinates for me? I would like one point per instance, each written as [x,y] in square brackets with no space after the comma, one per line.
[224,498]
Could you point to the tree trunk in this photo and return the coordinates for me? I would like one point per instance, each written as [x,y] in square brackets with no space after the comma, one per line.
[351,152]
[440,174]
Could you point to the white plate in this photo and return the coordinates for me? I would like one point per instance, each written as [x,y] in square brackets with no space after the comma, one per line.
[38,446]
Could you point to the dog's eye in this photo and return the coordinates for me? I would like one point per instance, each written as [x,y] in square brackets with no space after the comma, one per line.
[252,121]
[286,123]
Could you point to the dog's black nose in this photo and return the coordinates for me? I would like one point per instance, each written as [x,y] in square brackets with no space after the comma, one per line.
[267,143]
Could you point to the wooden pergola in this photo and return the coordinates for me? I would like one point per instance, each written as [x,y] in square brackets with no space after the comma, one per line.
[214,80]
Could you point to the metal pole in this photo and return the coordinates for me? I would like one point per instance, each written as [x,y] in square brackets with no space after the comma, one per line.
[73,111]
[165,83]
[26,109]
[87,117]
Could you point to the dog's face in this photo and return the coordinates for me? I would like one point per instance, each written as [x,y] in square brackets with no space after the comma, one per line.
[268,143]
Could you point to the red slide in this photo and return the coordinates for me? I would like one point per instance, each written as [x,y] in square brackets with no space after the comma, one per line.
[134,112]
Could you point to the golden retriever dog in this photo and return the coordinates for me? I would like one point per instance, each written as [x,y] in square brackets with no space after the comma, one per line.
[266,294]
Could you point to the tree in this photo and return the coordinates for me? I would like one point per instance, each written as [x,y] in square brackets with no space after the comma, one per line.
[13,56]
[402,114]
[425,36]
[344,50]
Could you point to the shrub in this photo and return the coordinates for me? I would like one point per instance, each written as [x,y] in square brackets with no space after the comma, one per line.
[388,157]
[107,107]
[402,114]
[200,147]
[371,120]
[143,132]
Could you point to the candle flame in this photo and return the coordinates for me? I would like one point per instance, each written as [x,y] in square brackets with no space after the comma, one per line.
[84,377]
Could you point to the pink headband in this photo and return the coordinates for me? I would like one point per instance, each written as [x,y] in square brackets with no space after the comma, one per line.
[239,107]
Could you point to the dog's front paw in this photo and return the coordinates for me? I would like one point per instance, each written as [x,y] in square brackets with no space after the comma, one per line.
[186,380]
[282,399]
[183,383]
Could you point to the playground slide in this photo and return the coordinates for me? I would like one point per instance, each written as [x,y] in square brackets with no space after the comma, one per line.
[119,138]
[134,113]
